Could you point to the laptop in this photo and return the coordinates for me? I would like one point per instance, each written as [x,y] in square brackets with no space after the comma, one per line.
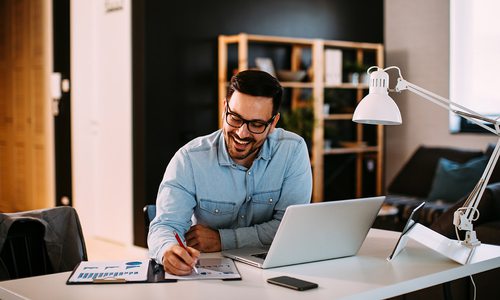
[314,232]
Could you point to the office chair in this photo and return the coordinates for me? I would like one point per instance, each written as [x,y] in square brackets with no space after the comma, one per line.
[40,242]
[24,253]
[149,214]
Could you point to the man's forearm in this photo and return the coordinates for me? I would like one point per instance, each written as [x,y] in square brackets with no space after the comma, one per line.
[253,236]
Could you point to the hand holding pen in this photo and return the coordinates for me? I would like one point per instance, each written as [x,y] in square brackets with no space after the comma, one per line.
[181,243]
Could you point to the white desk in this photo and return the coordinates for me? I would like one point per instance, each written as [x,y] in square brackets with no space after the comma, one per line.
[365,276]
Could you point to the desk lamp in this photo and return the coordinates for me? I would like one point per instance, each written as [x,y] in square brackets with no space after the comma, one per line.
[378,108]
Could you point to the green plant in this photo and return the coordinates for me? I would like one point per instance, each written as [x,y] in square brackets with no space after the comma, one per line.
[300,121]
[355,67]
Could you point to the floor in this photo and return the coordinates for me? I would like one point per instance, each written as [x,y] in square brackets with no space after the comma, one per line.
[101,249]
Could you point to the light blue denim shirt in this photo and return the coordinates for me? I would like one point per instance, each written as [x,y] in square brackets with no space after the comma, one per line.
[202,184]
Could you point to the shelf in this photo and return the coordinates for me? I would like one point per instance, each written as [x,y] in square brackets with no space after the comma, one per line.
[312,94]
[333,117]
[346,150]
[347,86]
[295,84]
[290,84]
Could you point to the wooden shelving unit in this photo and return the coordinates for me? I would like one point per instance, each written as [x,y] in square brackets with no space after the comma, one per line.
[317,85]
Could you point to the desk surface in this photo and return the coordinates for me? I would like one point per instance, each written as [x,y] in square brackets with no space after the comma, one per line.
[367,275]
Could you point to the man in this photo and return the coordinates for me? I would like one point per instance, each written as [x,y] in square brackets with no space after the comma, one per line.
[234,183]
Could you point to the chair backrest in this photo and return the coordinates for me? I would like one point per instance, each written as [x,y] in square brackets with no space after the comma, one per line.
[40,242]
[149,214]
[24,253]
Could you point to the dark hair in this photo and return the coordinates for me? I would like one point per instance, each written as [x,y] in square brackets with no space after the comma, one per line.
[257,83]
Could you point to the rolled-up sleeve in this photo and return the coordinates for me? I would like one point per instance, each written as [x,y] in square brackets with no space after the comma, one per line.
[174,206]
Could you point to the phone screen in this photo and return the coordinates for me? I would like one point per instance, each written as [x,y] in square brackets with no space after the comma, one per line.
[293,283]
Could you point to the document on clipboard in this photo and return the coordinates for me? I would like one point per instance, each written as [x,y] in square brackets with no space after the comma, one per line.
[107,271]
[122,271]
[211,268]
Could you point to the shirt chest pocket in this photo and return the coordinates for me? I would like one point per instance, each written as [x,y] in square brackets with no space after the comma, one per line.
[215,213]
[263,206]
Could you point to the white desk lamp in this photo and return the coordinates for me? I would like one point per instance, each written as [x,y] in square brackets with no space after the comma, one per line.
[378,108]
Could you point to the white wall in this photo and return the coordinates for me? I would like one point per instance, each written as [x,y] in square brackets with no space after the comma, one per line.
[101,112]
[417,40]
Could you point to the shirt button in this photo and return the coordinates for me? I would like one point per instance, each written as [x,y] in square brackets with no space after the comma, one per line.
[216,211]
[270,200]
[249,197]
[242,216]
[249,172]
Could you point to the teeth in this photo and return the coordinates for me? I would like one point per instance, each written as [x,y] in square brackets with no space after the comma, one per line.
[240,141]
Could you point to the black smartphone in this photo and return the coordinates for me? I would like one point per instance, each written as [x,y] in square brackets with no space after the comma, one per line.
[293,283]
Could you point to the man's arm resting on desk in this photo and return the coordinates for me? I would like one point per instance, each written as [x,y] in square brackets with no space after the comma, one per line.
[206,239]
[254,236]
[203,238]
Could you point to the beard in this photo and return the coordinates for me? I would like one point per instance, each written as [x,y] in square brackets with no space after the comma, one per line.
[241,148]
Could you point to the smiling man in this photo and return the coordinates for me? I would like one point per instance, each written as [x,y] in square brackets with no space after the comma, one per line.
[230,189]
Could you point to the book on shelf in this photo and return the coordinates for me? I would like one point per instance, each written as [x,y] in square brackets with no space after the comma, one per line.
[333,66]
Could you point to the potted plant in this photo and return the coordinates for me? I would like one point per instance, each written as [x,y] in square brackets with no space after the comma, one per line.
[300,121]
[355,71]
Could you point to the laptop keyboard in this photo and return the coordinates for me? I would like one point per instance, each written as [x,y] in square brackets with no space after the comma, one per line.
[260,255]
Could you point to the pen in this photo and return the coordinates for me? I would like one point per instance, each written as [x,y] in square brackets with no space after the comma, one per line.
[181,243]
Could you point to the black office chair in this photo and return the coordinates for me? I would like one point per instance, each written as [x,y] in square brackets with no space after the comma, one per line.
[149,214]
[24,253]
[40,242]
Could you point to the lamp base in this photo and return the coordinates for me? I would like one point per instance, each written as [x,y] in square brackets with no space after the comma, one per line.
[471,239]
[452,249]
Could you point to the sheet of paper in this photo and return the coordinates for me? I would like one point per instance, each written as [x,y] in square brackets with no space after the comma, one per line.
[211,268]
[129,270]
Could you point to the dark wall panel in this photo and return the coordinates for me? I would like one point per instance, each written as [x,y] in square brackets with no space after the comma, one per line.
[176,87]
[62,122]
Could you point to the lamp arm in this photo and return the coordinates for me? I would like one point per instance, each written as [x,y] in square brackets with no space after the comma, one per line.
[465,215]
[468,213]
[464,112]
[470,205]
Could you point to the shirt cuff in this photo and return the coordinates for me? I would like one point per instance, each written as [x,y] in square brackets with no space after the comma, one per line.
[228,239]
[159,255]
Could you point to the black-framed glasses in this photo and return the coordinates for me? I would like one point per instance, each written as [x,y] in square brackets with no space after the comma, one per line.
[254,126]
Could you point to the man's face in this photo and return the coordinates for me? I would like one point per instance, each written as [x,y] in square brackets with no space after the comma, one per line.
[241,143]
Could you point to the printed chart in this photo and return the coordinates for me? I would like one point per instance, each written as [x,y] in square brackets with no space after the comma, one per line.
[92,271]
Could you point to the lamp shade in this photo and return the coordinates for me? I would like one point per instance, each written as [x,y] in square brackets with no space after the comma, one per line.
[377,107]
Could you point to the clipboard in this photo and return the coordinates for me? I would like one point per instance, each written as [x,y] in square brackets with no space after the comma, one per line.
[87,272]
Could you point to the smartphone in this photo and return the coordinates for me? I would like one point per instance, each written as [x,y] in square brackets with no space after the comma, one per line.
[293,283]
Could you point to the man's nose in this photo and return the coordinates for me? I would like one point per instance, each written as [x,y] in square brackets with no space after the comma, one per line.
[243,131]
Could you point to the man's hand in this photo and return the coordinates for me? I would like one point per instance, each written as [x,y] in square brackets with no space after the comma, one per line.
[203,238]
[178,261]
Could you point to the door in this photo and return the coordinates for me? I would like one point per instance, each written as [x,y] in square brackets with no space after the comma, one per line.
[26,130]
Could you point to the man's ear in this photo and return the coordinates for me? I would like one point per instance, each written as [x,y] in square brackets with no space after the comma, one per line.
[275,122]
[224,110]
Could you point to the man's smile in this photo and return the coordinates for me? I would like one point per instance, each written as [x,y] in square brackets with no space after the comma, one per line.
[240,144]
